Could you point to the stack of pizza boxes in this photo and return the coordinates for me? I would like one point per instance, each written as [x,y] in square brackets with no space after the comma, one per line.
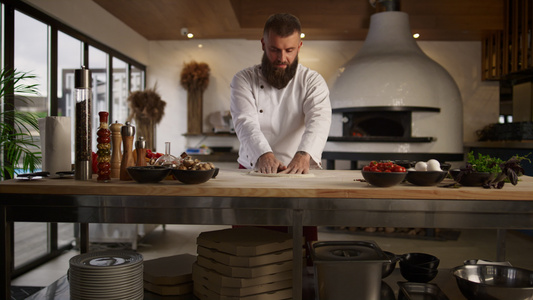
[171,275]
[246,263]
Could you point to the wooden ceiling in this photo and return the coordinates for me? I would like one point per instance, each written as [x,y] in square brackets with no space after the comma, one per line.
[437,20]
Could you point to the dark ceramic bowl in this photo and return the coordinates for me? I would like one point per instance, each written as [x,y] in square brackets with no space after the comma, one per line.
[388,268]
[494,282]
[426,178]
[472,179]
[194,176]
[383,179]
[445,166]
[418,277]
[148,174]
[422,260]
[419,267]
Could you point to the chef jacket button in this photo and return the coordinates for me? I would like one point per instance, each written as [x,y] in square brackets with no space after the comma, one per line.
[262,86]
[261,111]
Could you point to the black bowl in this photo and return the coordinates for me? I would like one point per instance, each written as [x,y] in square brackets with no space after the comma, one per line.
[419,277]
[383,179]
[416,268]
[194,176]
[426,178]
[148,174]
[494,282]
[445,166]
[388,268]
[422,260]
[472,179]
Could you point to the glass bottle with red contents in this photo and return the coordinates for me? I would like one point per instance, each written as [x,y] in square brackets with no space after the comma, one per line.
[104,148]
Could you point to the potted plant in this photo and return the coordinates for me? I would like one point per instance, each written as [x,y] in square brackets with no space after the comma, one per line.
[16,139]
[487,171]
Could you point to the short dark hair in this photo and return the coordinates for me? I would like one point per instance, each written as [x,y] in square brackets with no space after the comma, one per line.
[282,25]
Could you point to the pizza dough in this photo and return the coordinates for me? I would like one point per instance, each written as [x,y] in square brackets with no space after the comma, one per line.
[256,173]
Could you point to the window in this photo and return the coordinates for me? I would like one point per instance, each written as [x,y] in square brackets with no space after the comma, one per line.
[119,95]
[69,58]
[43,46]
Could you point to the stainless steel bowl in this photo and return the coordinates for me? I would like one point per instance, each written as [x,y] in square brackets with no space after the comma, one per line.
[494,282]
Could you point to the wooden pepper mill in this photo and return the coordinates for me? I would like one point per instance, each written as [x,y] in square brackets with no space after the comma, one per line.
[140,146]
[128,132]
[116,154]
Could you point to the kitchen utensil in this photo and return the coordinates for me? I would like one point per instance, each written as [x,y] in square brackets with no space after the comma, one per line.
[140,146]
[194,176]
[348,270]
[417,290]
[388,267]
[425,178]
[494,282]
[83,134]
[128,132]
[148,174]
[384,179]
[116,152]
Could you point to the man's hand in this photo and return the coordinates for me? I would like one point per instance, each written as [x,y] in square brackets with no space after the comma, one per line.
[268,163]
[299,164]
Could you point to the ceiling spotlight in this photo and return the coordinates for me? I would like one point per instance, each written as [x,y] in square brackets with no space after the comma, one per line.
[302,35]
[416,35]
[190,35]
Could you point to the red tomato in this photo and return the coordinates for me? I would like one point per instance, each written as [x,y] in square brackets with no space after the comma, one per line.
[366,168]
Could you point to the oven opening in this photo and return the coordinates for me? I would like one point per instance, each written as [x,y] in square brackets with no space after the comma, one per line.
[377,124]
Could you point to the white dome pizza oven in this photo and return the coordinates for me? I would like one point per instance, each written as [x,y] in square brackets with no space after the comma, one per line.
[391,101]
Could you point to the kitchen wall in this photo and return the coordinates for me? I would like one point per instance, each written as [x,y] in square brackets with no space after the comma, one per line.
[165,59]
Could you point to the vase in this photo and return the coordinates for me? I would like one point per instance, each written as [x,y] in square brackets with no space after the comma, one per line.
[194,111]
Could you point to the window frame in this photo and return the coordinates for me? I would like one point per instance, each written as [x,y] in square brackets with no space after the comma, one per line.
[7,54]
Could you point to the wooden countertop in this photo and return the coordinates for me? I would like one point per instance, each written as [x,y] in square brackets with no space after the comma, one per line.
[238,183]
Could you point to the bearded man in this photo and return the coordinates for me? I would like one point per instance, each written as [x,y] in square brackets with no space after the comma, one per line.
[280,109]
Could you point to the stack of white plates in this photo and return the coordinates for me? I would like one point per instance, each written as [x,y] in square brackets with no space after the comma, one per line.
[106,275]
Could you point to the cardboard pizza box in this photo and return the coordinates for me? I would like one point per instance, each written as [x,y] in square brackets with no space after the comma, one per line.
[166,290]
[170,270]
[235,282]
[245,241]
[245,291]
[245,261]
[245,272]
[203,293]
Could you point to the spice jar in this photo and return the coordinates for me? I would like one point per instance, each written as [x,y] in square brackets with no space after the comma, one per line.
[104,149]
[83,136]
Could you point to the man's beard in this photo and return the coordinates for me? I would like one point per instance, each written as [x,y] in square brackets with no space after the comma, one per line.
[278,77]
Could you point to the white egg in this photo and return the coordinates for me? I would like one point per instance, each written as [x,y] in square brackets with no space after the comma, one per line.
[411,169]
[421,166]
[433,165]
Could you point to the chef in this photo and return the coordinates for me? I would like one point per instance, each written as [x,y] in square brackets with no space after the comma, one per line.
[280,109]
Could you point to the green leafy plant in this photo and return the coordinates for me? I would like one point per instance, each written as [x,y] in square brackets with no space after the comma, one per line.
[483,163]
[502,170]
[16,139]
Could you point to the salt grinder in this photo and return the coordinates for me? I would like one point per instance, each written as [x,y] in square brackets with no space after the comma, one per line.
[116,154]
[140,146]
[128,132]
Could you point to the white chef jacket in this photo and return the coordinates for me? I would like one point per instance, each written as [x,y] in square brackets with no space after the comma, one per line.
[282,121]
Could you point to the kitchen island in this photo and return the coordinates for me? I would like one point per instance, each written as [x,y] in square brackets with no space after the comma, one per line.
[329,198]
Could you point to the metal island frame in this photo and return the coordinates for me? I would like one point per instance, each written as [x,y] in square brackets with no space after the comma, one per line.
[234,197]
